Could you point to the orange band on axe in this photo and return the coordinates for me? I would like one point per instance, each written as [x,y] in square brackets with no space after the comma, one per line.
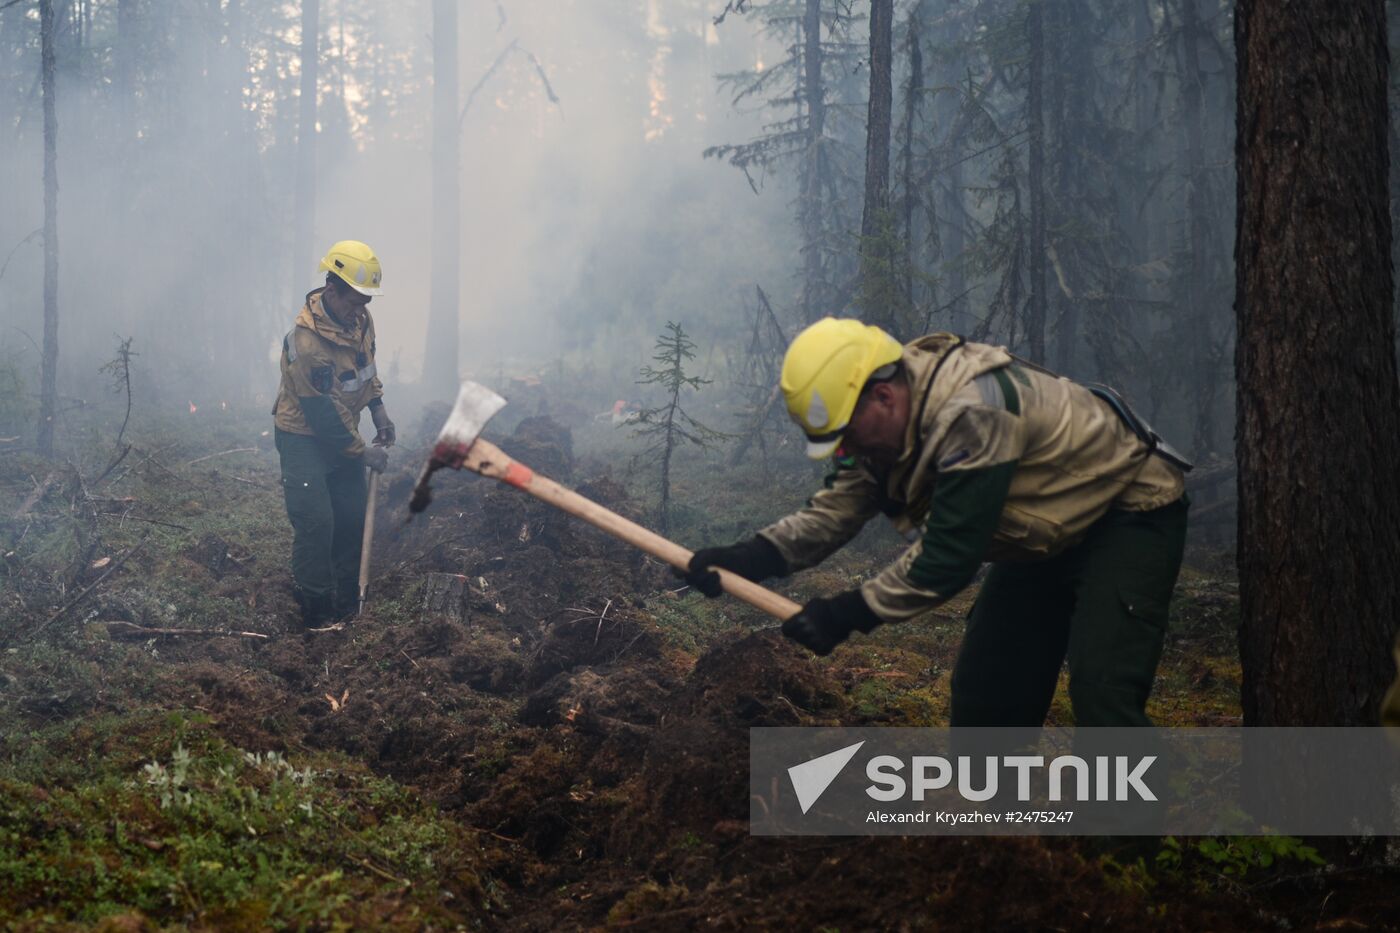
[518,475]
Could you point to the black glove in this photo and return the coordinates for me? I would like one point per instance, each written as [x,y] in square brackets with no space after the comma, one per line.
[376,458]
[825,622]
[755,559]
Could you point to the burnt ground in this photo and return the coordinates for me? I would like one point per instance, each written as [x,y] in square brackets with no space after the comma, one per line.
[572,732]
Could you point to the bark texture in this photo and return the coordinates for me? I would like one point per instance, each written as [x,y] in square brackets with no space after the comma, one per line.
[48,386]
[1035,159]
[1318,409]
[304,222]
[809,194]
[443,346]
[876,255]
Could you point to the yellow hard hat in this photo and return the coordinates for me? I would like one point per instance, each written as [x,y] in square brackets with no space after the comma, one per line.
[356,265]
[823,372]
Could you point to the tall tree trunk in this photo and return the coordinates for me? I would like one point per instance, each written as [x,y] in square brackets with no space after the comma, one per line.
[913,96]
[953,244]
[1068,98]
[810,186]
[1318,407]
[952,212]
[666,460]
[48,386]
[440,357]
[125,57]
[1200,231]
[1035,119]
[875,255]
[304,223]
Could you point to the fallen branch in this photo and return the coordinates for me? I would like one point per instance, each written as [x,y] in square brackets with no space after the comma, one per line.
[116,565]
[235,450]
[132,630]
[39,492]
[114,464]
[151,521]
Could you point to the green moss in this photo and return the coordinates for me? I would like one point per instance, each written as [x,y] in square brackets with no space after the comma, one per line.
[158,814]
[691,623]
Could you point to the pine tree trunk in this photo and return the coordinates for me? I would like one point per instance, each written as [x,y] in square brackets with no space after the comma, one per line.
[304,221]
[1318,432]
[809,193]
[951,208]
[875,258]
[440,374]
[1069,90]
[1199,229]
[666,459]
[48,386]
[913,94]
[124,55]
[1035,119]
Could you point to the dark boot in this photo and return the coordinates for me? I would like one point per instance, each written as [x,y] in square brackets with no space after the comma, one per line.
[347,602]
[316,610]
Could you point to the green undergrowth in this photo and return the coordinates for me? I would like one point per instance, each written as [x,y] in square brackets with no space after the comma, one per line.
[692,623]
[155,814]
[1208,864]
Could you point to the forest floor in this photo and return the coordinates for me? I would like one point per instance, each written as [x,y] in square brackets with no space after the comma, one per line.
[571,752]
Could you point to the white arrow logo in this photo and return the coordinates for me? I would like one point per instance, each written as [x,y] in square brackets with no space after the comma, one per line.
[811,778]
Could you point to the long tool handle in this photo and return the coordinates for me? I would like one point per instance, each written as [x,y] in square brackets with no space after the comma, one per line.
[367,539]
[489,460]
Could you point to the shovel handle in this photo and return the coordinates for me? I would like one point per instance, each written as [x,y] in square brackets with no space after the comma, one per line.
[368,538]
[489,460]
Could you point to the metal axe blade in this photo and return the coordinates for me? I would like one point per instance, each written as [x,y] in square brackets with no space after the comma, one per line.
[475,406]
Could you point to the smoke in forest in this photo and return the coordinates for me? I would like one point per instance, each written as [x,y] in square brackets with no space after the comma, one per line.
[1055,177]
[588,215]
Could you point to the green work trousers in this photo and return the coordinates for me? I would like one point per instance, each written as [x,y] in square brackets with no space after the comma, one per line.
[325,495]
[1102,604]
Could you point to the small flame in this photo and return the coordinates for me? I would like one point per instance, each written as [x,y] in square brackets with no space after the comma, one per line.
[193,408]
[223,406]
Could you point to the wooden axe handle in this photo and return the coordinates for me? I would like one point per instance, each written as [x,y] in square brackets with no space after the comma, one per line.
[368,539]
[489,460]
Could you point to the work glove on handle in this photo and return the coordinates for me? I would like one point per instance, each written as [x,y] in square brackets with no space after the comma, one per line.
[827,621]
[376,458]
[386,435]
[756,559]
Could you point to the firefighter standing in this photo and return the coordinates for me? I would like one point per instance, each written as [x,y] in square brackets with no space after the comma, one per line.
[328,379]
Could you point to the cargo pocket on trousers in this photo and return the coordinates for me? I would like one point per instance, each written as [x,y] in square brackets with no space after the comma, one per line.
[299,498]
[1146,609]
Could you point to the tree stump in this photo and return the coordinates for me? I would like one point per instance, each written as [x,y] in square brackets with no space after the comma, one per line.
[446,594]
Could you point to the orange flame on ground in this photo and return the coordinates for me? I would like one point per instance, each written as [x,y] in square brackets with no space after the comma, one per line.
[193,408]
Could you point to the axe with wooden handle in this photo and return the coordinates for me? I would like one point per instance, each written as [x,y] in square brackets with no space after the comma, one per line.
[367,541]
[460,445]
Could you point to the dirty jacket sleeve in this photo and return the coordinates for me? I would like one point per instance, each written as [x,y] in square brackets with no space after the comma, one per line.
[974,462]
[312,379]
[832,517]
[376,397]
